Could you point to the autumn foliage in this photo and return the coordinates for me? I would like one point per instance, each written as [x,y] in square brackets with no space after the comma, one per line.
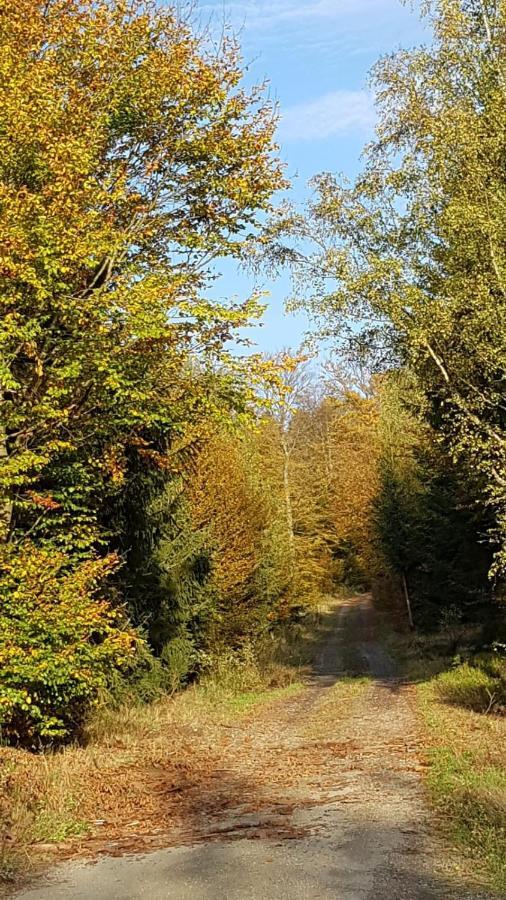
[60,640]
[163,499]
[130,157]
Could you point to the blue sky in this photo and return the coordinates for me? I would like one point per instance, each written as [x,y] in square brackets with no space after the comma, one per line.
[316,55]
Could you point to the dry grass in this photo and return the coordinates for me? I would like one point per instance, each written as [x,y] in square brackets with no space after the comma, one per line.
[130,778]
[335,707]
[142,767]
[467,778]
[462,708]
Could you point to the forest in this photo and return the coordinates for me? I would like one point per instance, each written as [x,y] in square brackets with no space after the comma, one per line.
[171,496]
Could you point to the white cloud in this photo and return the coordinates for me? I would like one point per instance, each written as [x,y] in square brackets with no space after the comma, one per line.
[362,27]
[339,38]
[339,112]
[319,9]
[265,14]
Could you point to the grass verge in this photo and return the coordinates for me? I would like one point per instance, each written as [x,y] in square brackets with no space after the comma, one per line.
[467,778]
[462,710]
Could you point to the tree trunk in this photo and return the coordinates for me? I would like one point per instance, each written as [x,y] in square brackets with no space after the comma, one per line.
[408,601]
[6,506]
[288,500]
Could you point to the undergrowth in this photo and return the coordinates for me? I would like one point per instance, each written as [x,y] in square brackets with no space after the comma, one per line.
[467,769]
[462,701]
[54,796]
[474,686]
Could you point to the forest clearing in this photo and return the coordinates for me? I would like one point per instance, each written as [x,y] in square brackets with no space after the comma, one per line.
[252,579]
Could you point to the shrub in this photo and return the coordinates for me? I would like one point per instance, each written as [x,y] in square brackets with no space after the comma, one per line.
[144,680]
[60,642]
[178,659]
[234,671]
[472,687]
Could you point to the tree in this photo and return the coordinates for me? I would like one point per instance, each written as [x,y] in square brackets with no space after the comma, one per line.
[284,399]
[60,642]
[429,530]
[129,158]
[354,482]
[229,508]
[409,261]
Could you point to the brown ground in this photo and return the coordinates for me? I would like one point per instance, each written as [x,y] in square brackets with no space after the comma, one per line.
[339,761]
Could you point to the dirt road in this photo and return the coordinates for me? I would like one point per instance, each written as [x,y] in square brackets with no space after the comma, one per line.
[318,795]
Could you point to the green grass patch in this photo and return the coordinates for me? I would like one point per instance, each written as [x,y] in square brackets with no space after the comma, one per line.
[467,773]
[243,703]
[472,687]
[462,701]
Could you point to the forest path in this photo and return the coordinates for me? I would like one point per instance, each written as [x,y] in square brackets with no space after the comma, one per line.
[317,795]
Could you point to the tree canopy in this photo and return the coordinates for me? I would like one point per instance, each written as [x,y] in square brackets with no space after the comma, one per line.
[407,264]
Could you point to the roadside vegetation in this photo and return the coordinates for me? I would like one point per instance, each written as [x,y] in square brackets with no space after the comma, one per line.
[129,775]
[462,701]
[467,771]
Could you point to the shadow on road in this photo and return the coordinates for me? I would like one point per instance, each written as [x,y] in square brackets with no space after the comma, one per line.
[338,817]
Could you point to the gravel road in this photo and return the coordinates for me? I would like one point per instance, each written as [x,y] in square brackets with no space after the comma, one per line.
[334,812]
